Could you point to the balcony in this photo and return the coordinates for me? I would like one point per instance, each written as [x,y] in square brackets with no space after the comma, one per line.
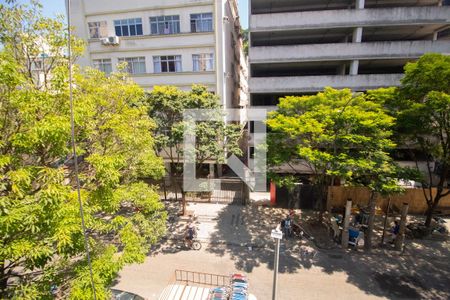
[272,6]
[346,51]
[349,18]
[308,84]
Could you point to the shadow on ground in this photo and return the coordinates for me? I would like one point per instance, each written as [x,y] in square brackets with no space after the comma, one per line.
[175,224]
[244,233]
[422,272]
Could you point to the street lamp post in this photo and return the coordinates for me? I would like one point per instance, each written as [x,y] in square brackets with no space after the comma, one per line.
[277,235]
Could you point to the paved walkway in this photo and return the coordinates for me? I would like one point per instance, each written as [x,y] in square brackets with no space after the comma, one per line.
[235,239]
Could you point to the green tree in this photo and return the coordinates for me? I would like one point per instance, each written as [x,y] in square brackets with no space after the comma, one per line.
[244,34]
[41,239]
[335,133]
[214,140]
[422,108]
[36,42]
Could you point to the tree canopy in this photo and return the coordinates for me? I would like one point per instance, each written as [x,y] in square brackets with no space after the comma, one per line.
[41,238]
[336,134]
[422,107]
[214,139]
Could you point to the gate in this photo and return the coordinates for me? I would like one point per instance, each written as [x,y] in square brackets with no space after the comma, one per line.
[231,191]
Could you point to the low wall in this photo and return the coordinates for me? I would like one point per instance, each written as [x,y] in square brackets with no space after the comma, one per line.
[337,197]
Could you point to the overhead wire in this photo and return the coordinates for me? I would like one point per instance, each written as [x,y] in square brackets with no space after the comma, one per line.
[74,152]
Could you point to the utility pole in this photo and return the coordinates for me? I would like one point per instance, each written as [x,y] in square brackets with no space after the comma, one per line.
[385,220]
[277,235]
[345,234]
[400,239]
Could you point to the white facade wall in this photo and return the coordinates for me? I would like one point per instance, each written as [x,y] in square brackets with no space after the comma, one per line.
[184,43]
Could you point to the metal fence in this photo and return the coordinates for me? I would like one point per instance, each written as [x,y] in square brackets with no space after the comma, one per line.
[201,278]
[231,191]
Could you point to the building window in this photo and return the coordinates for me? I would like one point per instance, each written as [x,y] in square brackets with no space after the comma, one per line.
[164,64]
[128,27]
[103,65]
[135,65]
[201,22]
[165,25]
[97,30]
[203,62]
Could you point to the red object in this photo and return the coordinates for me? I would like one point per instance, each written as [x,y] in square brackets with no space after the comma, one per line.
[273,197]
[238,276]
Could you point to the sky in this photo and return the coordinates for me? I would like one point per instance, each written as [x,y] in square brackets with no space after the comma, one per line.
[53,7]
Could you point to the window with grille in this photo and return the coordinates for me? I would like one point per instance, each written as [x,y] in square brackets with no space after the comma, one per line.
[165,64]
[201,22]
[165,25]
[103,65]
[97,29]
[203,62]
[135,65]
[128,27]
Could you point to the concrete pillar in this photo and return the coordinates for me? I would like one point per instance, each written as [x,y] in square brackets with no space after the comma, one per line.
[211,171]
[354,65]
[219,170]
[359,4]
[345,235]
[435,36]
[357,35]
[356,38]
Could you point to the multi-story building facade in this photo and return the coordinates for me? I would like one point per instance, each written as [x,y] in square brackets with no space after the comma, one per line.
[166,42]
[298,47]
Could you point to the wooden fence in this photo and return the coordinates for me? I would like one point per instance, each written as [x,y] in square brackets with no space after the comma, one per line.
[337,197]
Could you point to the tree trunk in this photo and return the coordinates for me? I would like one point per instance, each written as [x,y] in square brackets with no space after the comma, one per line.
[430,210]
[323,207]
[385,221]
[165,190]
[3,281]
[440,190]
[176,190]
[183,200]
[183,197]
[369,232]
[323,195]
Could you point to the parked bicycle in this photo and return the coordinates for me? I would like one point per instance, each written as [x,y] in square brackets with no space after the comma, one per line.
[192,244]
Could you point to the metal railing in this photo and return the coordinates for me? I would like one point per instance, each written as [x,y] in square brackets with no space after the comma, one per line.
[201,278]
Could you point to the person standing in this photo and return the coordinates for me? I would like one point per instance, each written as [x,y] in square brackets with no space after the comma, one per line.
[288,226]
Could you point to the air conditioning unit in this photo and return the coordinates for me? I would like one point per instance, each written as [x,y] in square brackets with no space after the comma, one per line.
[111,40]
[104,41]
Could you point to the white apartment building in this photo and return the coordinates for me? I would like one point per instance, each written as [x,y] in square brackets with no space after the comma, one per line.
[167,42]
